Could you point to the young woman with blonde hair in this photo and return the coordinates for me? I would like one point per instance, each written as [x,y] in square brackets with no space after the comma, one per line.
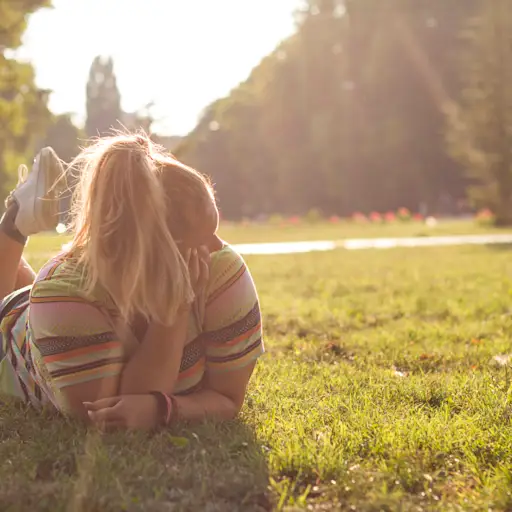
[148,317]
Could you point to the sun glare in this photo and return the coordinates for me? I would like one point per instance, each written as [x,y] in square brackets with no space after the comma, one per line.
[180,56]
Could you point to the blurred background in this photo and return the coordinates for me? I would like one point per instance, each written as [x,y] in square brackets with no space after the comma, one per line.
[360,109]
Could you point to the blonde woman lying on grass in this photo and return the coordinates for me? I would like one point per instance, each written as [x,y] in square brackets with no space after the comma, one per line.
[149,317]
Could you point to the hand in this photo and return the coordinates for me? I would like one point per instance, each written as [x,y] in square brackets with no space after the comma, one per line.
[132,412]
[199,268]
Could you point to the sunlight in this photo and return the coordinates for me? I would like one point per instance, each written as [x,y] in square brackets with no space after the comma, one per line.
[163,51]
[61,228]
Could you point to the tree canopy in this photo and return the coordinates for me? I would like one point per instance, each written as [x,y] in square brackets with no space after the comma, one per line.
[346,115]
[24,115]
[103,98]
[480,128]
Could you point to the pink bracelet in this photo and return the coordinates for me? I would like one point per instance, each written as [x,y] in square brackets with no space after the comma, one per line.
[174,409]
[165,406]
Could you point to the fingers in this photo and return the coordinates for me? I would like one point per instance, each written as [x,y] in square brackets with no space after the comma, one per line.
[204,274]
[105,413]
[203,269]
[114,413]
[199,267]
[186,255]
[110,401]
[193,266]
[204,253]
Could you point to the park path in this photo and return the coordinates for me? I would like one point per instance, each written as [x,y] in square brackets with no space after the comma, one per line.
[371,243]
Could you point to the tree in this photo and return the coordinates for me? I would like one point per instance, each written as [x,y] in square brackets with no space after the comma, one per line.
[480,131]
[64,137]
[24,115]
[103,99]
[347,114]
[13,20]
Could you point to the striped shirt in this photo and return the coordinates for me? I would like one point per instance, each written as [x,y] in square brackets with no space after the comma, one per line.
[55,336]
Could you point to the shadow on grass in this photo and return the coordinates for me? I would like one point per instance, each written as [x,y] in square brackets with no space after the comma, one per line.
[500,247]
[52,464]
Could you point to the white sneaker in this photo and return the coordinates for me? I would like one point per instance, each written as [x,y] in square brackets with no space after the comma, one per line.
[37,194]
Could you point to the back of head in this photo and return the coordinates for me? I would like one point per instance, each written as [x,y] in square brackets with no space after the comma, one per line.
[122,234]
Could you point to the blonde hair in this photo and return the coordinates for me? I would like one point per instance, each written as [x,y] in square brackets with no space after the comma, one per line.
[130,200]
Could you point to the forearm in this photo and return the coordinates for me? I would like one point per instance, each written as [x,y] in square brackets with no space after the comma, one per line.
[155,364]
[206,404]
[149,371]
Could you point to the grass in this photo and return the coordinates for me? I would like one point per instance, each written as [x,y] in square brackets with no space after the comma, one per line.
[329,231]
[379,391]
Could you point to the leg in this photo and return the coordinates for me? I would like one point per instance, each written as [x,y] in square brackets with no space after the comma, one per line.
[11,250]
[26,275]
[15,272]
[32,207]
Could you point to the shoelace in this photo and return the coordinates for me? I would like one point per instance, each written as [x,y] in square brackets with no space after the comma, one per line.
[22,178]
[22,174]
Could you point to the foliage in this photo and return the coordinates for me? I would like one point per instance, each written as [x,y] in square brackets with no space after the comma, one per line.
[13,20]
[346,115]
[480,134]
[103,99]
[64,137]
[24,115]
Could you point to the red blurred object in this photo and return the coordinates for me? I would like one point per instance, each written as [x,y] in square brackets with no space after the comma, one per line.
[418,217]
[485,214]
[375,217]
[334,219]
[359,217]
[294,220]
[390,217]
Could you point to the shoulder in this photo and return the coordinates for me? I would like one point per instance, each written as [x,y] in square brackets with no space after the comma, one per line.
[62,278]
[59,306]
[226,258]
[232,327]
[226,269]
[231,293]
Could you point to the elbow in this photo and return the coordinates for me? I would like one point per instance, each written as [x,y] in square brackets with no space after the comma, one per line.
[228,414]
[226,409]
[231,413]
[233,409]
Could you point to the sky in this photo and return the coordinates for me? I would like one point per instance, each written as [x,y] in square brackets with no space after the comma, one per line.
[179,54]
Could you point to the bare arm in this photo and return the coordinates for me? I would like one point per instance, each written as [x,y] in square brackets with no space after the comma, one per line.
[86,360]
[222,397]
[91,363]
[153,367]
[233,340]
[155,364]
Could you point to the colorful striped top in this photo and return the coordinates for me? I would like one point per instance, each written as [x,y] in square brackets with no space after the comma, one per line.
[57,336]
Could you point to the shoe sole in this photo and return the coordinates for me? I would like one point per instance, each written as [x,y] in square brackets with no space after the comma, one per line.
[50,171]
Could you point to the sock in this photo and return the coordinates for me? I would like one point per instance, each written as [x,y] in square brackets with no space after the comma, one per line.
[8,226]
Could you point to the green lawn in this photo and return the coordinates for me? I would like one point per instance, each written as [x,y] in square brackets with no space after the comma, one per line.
[378,392]
[46,245]
[327,231]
